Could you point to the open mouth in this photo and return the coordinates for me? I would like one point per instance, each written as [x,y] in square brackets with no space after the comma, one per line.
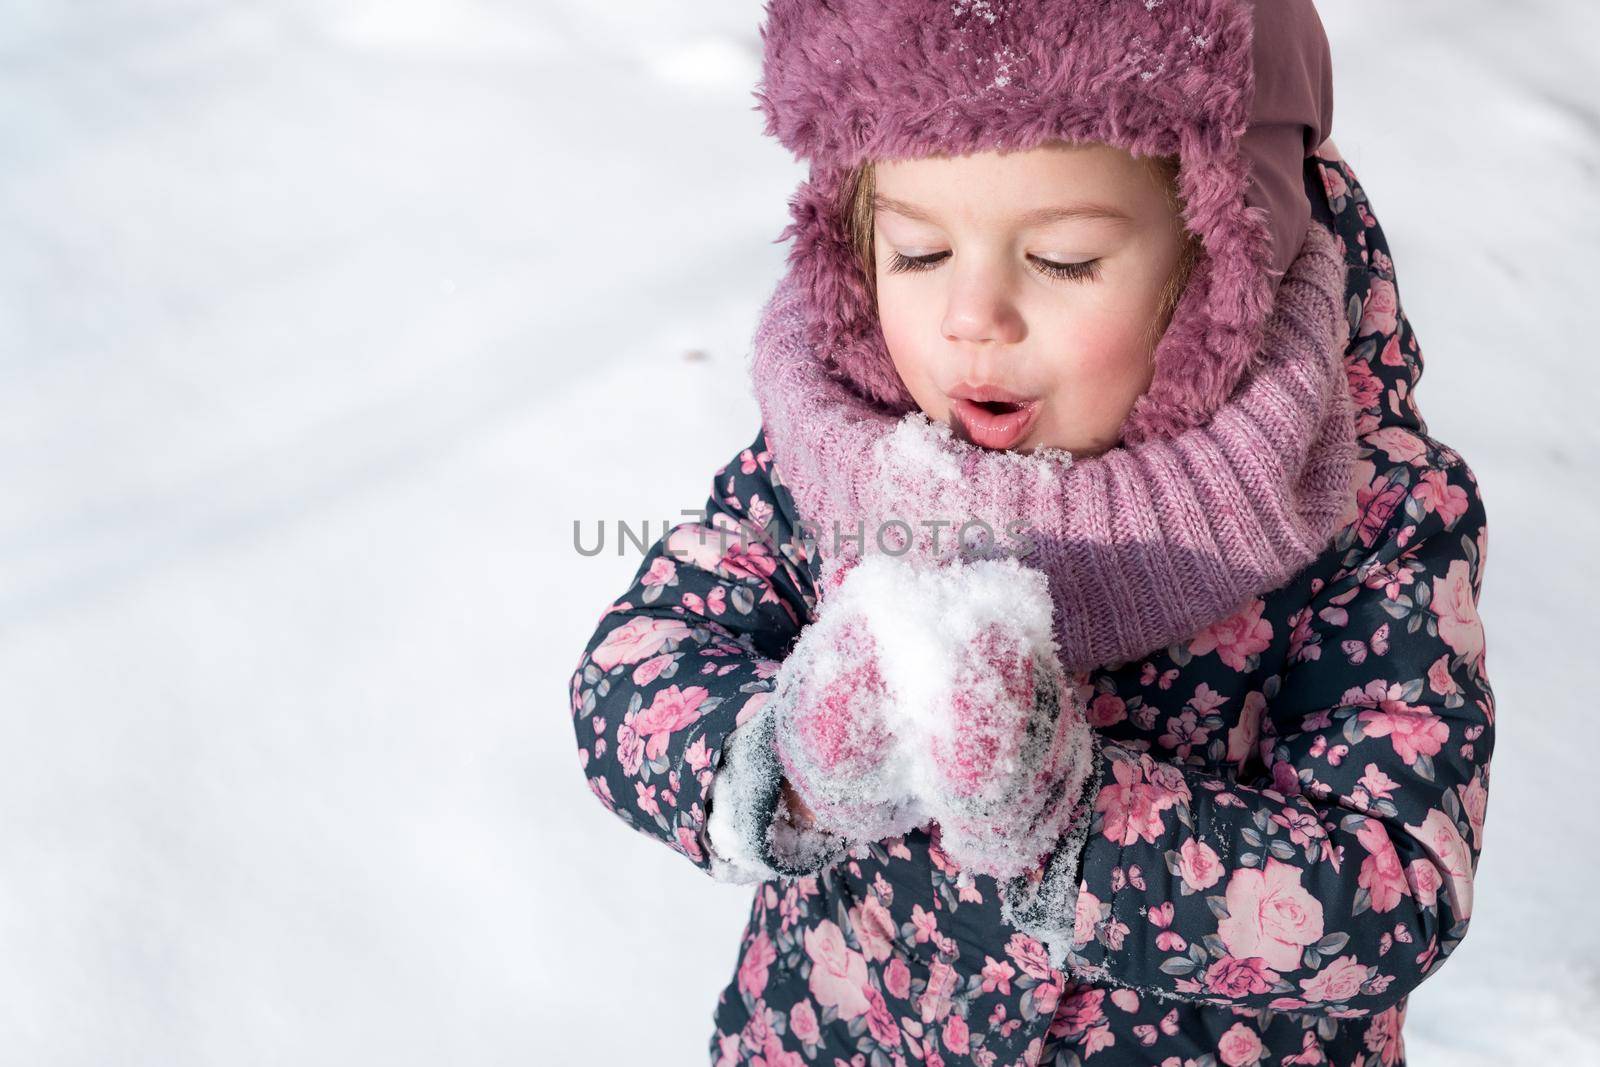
[997,407]
[993,424]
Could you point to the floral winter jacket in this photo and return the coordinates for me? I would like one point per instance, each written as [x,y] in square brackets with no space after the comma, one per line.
[1291,808]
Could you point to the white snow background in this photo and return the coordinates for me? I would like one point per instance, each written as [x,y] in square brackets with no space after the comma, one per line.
[320,323]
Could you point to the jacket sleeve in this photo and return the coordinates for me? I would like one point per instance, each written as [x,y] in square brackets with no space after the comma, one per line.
[1341,877]
[687,654]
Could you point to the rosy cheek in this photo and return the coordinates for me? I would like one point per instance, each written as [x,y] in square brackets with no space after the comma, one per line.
[907,342]
[1104,367]
[1106,349]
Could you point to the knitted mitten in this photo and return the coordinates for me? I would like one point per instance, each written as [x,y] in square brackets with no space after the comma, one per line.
[1006,751]
[832,735]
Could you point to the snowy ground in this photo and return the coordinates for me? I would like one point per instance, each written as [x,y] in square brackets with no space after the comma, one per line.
[320,322]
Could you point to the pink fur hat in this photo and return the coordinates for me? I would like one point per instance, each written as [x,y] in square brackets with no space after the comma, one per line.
[1241,92]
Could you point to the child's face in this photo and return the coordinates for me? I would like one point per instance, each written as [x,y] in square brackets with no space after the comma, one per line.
[987,309]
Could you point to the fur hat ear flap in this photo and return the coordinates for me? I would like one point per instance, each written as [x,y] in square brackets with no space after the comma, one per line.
[842,311]
[1214,338]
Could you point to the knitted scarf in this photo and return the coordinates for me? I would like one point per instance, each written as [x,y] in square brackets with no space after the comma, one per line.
[1144,544]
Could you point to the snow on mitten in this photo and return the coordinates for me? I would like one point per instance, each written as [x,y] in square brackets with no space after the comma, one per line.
[1006,751]
[833,735]
[993,735]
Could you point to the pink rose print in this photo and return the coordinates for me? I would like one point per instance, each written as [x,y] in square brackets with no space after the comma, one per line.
[760,512]
[897,978]
[1303,826]
[1382,307]
[1270,915]
[1085,916]
[1365,387]
[1239,1045]
[1375,783]
[756,702]
[1382,873]
[934,1003]
[1475,802]
[689,845]
[1081,1009]
[1198,865]
[1133,805]
[750,461]
[1384,1037]
[1424,881]
[1045,995]
[662,570]
[1444,843]
[1334,183]
[1439,679]
[1453,603]
[1030,956]
[880,1020]
[1184,732]
[956,1035]
[997,975]
[647,798]
[1362,472]
[1107,709]
[651,669]
[874,929]
[1435,493]
[671,710]
[803,1022]
[753,969]
[1337,982]
[1413,729]
[1391,353]
[838,973]
[1377,504]
[637,639]
[1284,779]
[1230,976]
[748,558]
[630,750]
[728,547]
[1236,638]
[1401,444]
[696,545]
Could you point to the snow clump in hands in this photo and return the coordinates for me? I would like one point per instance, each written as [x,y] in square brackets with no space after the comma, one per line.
[932,691]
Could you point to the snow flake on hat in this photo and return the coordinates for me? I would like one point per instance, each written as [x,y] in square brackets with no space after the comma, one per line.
[1005,63]
[984,9]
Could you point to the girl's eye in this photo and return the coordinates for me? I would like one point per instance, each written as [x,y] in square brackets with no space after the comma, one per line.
[899,264]
[1089,270]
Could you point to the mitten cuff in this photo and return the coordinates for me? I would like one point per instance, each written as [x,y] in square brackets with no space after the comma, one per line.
[748,826]
[1043,902]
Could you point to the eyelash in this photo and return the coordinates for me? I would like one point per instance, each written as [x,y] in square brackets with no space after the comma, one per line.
[1089,270]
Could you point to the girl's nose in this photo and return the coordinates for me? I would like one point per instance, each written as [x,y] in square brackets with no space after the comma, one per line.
[980,309]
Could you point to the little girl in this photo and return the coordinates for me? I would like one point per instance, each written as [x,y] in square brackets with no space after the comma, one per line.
[1082,288]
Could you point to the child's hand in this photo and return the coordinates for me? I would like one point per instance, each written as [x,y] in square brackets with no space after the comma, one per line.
[832,734]
[801,817]
[1004,752]
[965,714]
